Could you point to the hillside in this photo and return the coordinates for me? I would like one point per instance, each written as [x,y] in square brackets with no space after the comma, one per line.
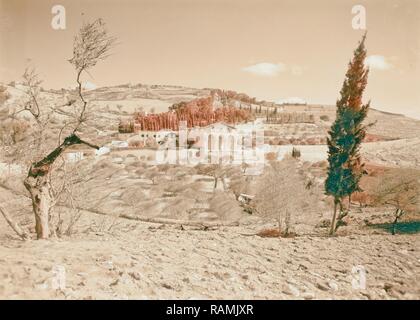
[137,229]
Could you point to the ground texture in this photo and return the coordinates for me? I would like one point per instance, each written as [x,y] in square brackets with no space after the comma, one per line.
[153,261]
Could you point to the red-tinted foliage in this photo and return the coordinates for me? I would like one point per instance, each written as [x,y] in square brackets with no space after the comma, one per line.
[199,112]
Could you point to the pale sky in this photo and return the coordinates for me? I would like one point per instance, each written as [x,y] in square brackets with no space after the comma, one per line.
[271,49]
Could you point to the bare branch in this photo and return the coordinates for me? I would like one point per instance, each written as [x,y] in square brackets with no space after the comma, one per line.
[14,225]
[91,45]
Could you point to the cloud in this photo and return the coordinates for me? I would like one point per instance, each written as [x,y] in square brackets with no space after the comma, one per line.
[378,62]
[265,69]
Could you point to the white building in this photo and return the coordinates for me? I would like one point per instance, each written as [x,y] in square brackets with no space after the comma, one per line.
[119,144]
[10,169]
[102,151]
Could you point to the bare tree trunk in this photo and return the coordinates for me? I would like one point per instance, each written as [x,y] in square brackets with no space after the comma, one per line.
[334,219]
[38,184]
[398,214]
[348,207]
[287,222]
[39,189]
[393,226]
[224,183]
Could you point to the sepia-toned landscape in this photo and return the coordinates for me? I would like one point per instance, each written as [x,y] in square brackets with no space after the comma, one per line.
[88,211]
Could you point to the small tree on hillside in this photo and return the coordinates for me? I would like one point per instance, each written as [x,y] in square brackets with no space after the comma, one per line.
[346,134]
[280,194]
[216,171]
[399,188]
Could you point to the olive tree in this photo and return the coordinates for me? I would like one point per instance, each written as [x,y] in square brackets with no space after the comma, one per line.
[91,45]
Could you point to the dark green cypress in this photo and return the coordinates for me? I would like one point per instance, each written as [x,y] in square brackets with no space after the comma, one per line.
[346,134]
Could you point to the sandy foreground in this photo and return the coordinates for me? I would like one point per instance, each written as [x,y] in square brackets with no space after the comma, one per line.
[136,260]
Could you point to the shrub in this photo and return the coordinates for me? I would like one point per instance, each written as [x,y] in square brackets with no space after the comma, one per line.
[399,188]
[126,127]
[295,153]
[280,193]
[136,144]
[270,156]
[151,143]
[13,131]
[4,95]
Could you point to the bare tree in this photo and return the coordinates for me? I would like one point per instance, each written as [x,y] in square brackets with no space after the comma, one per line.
[273,198]
[399,188]
[91,45]
[216,171]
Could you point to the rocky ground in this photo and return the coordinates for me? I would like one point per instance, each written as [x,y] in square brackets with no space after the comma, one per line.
[127,259]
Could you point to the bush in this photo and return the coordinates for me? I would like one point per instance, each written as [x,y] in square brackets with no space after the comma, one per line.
[136,144]
[280,193]
[270,156]
[13,131]
[399,188]
[151,143]
[4,95]
[126,127]
[295,153]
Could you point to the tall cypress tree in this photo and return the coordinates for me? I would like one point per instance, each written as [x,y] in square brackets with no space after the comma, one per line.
[346,134]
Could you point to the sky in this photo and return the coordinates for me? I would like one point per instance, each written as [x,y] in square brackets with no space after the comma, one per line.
[270,49]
